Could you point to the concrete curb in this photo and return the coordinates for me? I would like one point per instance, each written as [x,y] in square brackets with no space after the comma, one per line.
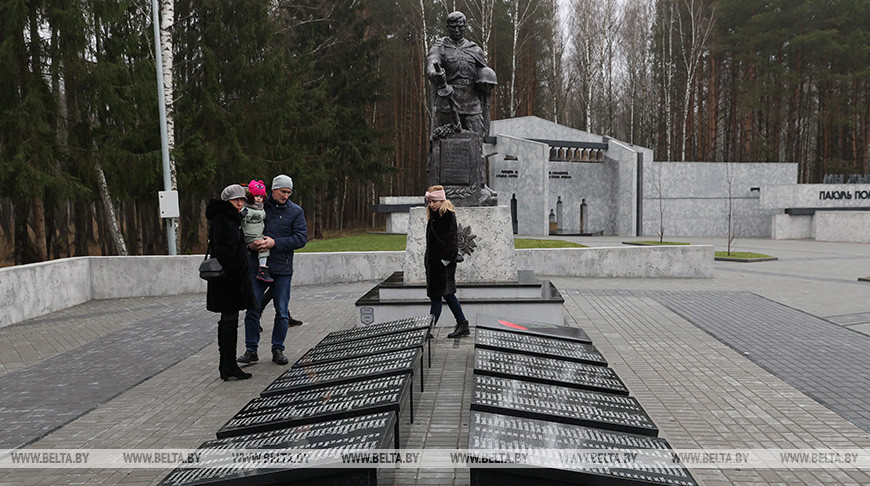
[37,289]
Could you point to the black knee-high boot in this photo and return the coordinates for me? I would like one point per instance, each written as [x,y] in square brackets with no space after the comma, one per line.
[228,338]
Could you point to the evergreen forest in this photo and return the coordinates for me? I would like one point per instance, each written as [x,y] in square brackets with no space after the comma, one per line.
[333,93]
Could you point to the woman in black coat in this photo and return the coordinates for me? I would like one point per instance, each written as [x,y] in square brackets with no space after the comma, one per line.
[442,249]
[233,291]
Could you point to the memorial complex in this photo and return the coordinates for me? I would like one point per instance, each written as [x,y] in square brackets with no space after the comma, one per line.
[606,365]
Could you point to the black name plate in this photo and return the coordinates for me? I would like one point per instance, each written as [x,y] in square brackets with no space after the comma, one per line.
[364,347]
[623,458]
[224,461]
[560,404]
[319,404]
[345,371]
[534,328]
[548,371]
[539,346]
[380,329]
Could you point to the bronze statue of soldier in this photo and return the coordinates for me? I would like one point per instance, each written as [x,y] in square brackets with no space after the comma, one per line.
[461,85]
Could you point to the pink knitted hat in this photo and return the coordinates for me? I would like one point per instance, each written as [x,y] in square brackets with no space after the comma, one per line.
[257,188]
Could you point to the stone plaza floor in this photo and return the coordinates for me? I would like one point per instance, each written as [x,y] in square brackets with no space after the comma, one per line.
[769,355]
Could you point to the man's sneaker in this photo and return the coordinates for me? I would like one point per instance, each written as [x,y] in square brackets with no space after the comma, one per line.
[263,274]
[278,357]
[248,357]
[294,322]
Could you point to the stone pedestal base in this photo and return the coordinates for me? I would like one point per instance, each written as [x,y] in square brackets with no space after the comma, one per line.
[485,230]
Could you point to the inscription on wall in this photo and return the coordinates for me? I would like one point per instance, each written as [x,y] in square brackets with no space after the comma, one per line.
[508,173]
[843,195]
[560,174]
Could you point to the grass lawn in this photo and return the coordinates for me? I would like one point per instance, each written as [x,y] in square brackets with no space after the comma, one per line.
[661,242]
[380,242]
[740,254]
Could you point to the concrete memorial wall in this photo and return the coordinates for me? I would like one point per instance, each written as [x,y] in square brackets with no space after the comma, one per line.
[692,198]
[824,212]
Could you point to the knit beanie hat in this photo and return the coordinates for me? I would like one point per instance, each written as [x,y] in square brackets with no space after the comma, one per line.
[233,191]
[257,188]
[282,181]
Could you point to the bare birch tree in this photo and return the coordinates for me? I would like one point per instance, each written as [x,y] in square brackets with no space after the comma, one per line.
[558,80]
[636,43]
[112,220]
[520,14]
[695,26]
[480,14]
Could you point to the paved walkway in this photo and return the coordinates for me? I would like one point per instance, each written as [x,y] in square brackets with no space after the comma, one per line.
[763,355]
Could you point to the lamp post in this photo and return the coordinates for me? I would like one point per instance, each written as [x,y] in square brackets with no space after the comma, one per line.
[168,197]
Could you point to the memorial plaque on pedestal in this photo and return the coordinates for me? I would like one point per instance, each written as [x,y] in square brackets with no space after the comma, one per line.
[379,329]
[559,453]
[320,404]
[228,462]
[364,347]
[560,404]
[539,346]
[523,326]
[457,163]
[345,371]
[548,371]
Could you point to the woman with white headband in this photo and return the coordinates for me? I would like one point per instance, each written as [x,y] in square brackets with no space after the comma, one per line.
[442,249]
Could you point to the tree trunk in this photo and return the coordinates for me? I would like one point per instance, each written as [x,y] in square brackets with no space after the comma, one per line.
[39,229]
[111,221]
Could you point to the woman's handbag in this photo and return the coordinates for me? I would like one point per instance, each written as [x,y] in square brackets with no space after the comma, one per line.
[210,268]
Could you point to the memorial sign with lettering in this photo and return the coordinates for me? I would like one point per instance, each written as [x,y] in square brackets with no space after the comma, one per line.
[560,404]
[456,167]
[379,329]
[364,347]
[539,346]
[548,371]
[535,328]
[226,462]
[345,371]
[319,404]
[591,456]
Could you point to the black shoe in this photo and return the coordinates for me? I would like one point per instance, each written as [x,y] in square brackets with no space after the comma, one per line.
[461,329]
[294,322]
[248,357]
[278,357]
[236,373]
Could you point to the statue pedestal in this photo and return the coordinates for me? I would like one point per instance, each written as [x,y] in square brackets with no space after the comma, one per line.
[487,282]
[486,231]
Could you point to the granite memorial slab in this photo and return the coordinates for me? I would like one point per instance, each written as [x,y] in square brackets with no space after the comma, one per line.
[391,393]
[244,460]
[303,378]
[562,454]
[560,404]
[547,371]
[535,328]
[378,329]
[364,347]
[544,347]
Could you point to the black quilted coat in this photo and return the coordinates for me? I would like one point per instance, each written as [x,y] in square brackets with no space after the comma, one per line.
[233,291]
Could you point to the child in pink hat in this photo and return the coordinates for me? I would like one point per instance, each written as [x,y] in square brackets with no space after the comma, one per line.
[254,222]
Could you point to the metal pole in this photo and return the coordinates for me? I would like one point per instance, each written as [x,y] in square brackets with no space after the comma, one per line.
[164,137]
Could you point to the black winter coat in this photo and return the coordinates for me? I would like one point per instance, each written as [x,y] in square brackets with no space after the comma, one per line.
[234,291]
[442,243]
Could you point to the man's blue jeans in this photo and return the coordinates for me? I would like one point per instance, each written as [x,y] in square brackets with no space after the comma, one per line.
[281,299]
